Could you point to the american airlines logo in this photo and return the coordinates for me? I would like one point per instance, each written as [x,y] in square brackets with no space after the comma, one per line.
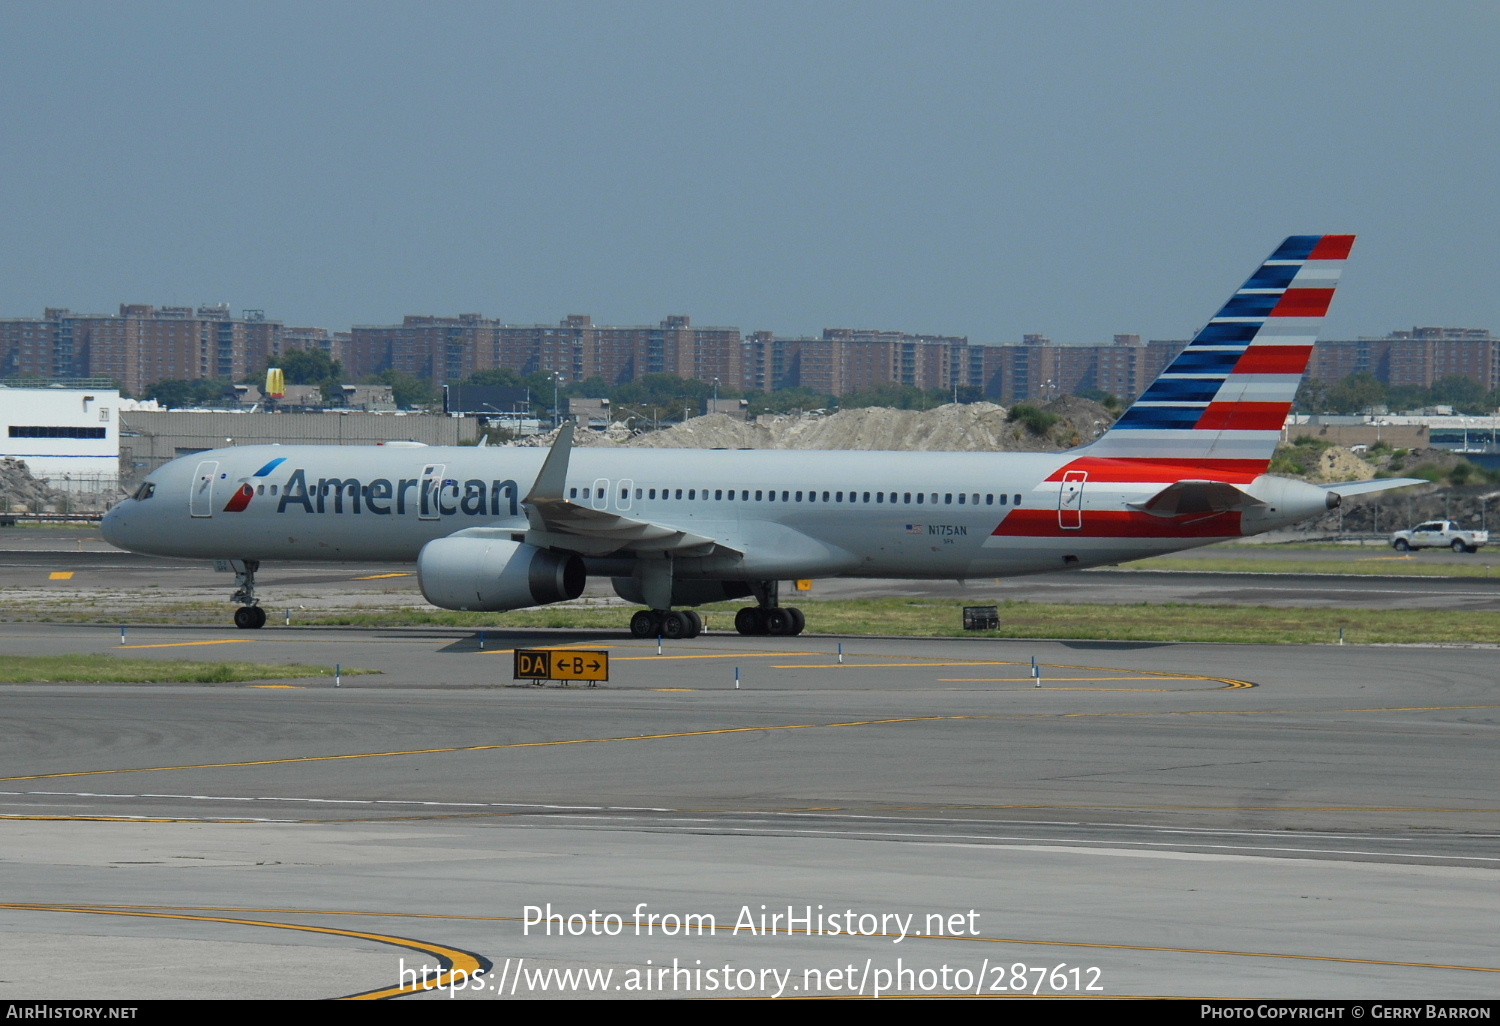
[384,496]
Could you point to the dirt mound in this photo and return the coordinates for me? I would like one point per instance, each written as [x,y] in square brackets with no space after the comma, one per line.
[22,493]
[1338,464]
[962,427]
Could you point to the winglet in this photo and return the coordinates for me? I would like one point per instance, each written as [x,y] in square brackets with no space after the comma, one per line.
[554,474]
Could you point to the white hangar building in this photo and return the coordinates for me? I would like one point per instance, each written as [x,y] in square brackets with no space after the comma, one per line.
[70,436]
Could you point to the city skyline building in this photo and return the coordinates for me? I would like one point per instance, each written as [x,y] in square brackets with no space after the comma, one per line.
[144,344]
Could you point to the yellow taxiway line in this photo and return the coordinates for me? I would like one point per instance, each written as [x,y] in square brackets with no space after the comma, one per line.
[452,961]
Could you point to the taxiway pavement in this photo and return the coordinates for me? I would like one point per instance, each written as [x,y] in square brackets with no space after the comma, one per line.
[1204,820]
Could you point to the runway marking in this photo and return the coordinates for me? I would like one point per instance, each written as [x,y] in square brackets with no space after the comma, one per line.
[137,819]
[60,575]
[287,687]
[451,960]
[738,730]
[674,689]
[544,808]
[173,912]
[381,577]
[1045,687]
[1142,675]
[186,644]
[726,655]
[653,658]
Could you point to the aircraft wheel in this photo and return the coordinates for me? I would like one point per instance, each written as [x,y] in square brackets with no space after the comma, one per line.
[695,623]
[1401,545]
[676,625]
[750,621]
[779,622]
[644,624]
[248,618]
[799,622]
[1459,546]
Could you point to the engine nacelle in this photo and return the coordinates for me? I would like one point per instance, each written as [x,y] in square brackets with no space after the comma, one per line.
[685,593]
[493,575]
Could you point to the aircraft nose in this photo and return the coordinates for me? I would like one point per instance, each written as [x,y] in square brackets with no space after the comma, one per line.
[113,526]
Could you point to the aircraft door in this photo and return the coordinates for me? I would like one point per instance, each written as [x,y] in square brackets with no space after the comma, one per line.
[432,481]
[1070,500]
[626,484]
[599,496]
[201,502]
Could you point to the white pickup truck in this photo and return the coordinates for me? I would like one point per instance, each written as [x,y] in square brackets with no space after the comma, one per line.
[1439,534]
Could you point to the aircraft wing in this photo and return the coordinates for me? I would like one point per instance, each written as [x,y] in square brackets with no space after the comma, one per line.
[557,522]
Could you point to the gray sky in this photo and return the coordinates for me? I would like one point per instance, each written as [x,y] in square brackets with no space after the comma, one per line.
[986,169]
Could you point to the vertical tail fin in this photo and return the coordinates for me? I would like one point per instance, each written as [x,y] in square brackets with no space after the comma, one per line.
[1223,400]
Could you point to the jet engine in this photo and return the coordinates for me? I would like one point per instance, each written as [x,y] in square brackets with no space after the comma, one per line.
[493,575]
[685,593]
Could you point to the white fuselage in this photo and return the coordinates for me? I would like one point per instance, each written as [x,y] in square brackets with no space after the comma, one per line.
[785,514]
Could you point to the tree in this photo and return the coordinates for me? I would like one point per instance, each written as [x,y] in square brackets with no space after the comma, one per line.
[502,377]
[407,389]
[175,393]
[1356,393]
[308,367]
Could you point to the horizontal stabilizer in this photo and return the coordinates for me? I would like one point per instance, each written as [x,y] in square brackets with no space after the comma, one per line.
[1196,498]
[1361,487]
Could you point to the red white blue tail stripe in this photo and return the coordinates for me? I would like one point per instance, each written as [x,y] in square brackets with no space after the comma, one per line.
[1226,396]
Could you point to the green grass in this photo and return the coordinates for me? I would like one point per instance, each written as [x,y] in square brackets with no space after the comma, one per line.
[106,669]
[926,618]
[1388,565]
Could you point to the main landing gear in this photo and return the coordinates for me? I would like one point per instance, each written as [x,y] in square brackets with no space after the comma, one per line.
[786,621]
[666,623]
[250,616]
[768,617]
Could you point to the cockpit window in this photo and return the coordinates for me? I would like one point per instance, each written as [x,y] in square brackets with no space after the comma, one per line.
[144,492]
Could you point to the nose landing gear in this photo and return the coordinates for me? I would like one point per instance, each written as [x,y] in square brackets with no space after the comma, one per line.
[250,616]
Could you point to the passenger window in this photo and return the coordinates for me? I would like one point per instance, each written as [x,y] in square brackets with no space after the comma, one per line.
[757,495]
[274,489]
[260,489]
[572,493]
[637,493]
[825,496]
[867,496]
[799,496]
[947,499]
[1002,499]
[692,493]
[960,498]
[1018,499]
[906,497]
[786,496]
[679,493]
[976,498]
[920,496]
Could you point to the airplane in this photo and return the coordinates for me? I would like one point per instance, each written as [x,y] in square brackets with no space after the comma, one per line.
[503,528]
